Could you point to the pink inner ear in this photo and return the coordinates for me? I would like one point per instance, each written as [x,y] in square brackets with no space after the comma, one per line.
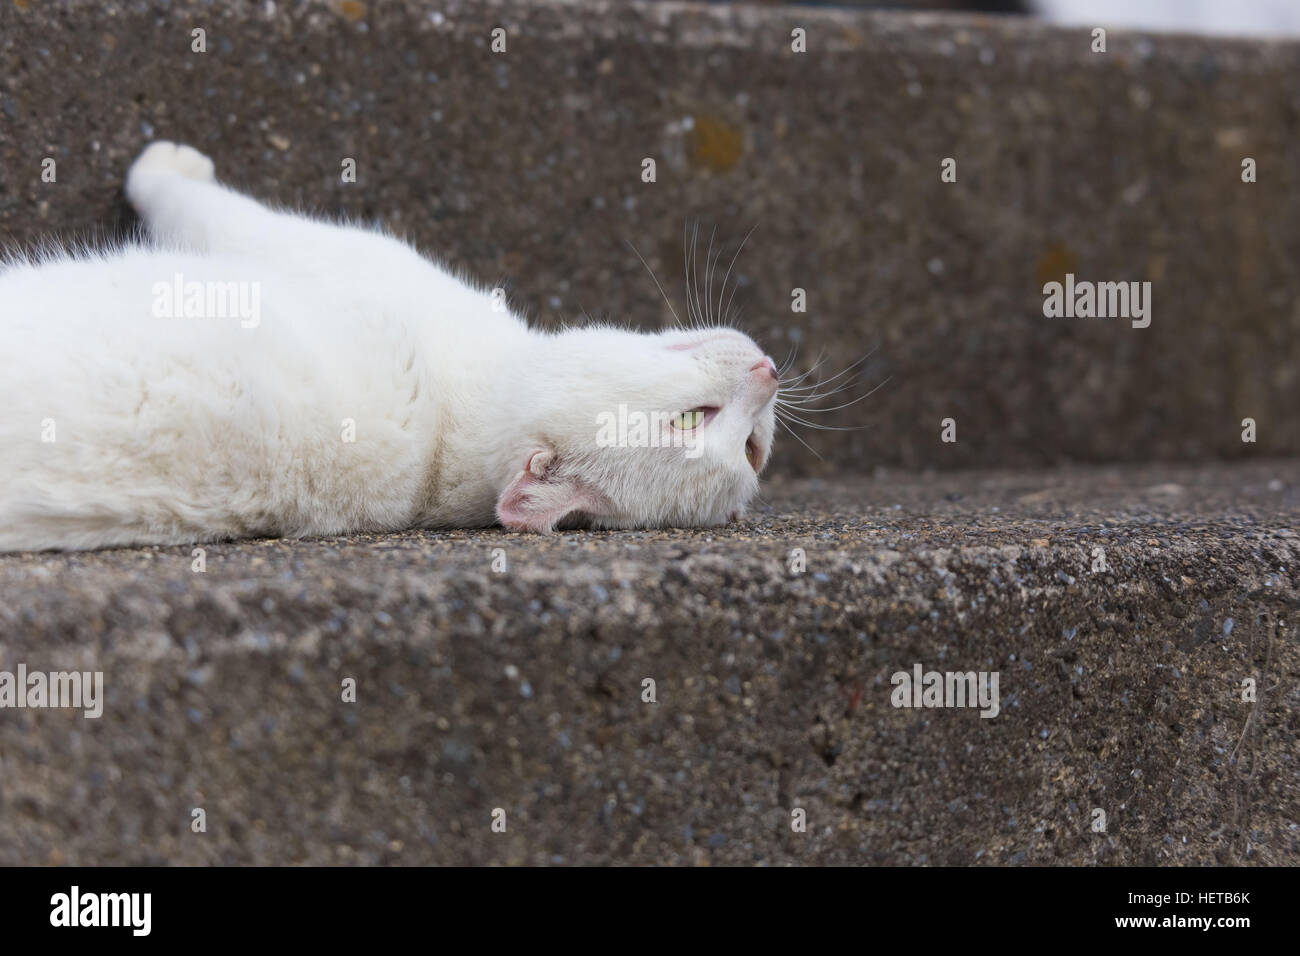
[536,504]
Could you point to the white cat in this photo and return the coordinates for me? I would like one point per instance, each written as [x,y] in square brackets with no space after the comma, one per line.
[254,372]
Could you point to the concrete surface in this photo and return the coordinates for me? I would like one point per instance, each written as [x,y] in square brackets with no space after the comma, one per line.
[521,690]
[526,165]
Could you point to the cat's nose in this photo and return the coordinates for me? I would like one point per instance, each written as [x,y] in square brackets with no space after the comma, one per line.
[762,378]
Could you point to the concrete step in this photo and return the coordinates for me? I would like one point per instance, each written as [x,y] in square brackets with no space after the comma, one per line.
[1116,166]
[1120,690]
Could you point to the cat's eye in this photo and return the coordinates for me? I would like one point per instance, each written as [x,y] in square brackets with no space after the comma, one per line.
[688,420]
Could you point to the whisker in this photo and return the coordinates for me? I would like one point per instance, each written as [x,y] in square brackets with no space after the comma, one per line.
[693,279]
[846,370]
[656,282]
[721,309]
[798,397]
[708,277]
[796,437]
[738,321]
[686,272]
[788,419]
[789,358]
[816,388]
[802,396]
[821,360]
[836,408]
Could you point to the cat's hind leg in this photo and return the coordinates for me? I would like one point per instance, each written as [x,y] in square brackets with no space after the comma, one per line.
[174,189]
[164,157]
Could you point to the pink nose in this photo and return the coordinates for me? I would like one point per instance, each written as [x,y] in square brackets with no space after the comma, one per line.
[765,363]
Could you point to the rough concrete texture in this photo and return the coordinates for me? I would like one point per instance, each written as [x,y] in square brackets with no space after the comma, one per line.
[522,690]
[526,165]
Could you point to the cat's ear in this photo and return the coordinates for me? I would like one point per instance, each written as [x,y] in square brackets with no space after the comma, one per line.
[539,498]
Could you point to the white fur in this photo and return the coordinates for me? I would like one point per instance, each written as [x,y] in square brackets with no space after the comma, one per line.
[174,430]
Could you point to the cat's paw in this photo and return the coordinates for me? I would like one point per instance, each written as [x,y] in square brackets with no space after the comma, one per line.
[165,157]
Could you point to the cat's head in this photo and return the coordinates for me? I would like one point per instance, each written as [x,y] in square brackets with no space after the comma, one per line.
[634,430]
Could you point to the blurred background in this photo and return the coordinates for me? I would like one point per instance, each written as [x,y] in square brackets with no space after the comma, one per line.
[525,169]
[1262,18]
